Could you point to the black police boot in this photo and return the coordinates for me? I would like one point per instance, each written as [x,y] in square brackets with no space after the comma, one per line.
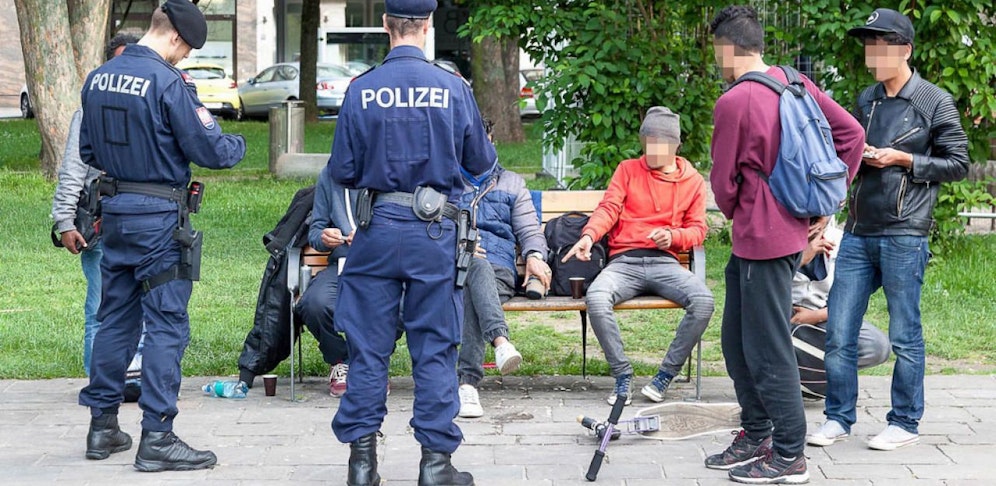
[105,437]
[435,470]
[363,462]
[164,451]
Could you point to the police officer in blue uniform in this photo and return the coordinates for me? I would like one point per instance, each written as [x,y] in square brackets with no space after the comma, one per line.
[143,126]
[404,131]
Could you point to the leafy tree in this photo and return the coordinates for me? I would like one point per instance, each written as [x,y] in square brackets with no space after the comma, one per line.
[610,60]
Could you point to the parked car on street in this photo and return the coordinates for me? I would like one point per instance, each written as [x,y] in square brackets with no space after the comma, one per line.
[26,110]
[216,89]
[279,83]
[357,67]
[527,95]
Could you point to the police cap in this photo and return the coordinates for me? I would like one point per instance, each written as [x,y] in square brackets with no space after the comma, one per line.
[188,20]
[884,21]
[410,9]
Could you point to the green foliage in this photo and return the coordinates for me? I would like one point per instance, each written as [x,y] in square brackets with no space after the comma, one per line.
[611,61]
[956,197]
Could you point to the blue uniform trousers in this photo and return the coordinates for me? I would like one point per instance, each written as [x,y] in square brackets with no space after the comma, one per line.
[396,255]
[137,247]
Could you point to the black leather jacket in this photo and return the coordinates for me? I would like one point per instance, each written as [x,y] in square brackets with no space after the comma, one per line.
[922,120]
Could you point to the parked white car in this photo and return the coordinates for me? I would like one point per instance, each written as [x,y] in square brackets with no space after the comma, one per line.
[26,110]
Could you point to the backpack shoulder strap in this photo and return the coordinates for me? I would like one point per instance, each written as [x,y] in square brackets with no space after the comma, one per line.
[795,84]
[763,78]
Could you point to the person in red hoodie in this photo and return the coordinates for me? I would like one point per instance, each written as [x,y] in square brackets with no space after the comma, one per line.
[653,209]
[767,246]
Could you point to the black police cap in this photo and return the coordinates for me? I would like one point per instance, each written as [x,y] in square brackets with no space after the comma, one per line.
[410,9]
[885,21]
[188,20]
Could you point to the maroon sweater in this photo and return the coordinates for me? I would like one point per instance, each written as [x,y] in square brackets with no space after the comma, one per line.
[745,139]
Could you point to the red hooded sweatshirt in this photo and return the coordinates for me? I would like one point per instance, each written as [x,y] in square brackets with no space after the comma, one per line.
[640,199]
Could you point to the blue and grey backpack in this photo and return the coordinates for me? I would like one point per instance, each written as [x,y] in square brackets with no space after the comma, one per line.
[809,179]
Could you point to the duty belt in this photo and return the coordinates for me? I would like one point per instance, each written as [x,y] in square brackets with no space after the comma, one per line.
[113,187]
[450,211]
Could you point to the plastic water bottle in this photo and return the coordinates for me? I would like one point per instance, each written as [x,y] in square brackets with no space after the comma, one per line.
[227,389]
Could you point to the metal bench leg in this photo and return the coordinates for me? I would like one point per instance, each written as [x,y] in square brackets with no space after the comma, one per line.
[584,345]
[698,372]
[292,395]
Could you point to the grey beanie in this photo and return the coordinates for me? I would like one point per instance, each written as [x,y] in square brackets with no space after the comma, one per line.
[661,124]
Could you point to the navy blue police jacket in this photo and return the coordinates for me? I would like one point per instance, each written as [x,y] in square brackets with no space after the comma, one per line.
[142,123]
[406,124]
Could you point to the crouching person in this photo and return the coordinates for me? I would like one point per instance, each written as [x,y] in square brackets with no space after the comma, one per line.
[653,209]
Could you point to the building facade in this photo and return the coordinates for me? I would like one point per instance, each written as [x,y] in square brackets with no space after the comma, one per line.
[246,36]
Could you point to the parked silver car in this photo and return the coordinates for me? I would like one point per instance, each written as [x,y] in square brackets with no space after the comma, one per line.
[279,83]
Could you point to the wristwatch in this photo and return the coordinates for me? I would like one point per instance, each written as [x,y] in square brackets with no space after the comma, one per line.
[535,254]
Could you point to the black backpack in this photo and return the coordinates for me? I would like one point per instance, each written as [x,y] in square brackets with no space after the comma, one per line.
[810,343]
[561,234]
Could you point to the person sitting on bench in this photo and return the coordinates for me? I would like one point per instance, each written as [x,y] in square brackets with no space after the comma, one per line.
[654,207]
[505,216]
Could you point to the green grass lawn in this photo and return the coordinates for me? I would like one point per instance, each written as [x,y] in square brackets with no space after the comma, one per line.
[41,325]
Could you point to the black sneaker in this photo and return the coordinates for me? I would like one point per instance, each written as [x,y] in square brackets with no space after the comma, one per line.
[772,469]
[742,451]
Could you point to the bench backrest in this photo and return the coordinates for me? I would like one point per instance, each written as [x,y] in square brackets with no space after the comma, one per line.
[554,203]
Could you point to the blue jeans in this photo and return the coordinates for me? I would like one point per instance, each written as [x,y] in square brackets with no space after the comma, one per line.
[865,263]
[90,261]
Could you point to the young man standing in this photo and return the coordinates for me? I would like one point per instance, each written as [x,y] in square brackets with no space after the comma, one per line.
[767,244]
[915,142]
[653,209]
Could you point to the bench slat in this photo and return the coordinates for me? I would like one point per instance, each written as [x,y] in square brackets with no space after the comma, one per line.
[558,303]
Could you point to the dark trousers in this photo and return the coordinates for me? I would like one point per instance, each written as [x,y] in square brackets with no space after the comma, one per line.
[400,263]
[137,247]
[316,309]
[757,347]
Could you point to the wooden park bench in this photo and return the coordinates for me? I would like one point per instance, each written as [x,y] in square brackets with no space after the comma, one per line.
[553,204]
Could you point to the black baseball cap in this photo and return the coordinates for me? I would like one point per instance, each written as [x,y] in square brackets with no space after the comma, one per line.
[410,9]
[188,20]
[884,21]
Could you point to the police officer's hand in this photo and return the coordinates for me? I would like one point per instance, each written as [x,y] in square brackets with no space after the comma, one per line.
[73,241]
[662,237]
[539,269]
[581,250]
[332,238]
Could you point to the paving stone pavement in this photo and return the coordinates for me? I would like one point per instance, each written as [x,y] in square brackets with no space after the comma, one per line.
[529,436]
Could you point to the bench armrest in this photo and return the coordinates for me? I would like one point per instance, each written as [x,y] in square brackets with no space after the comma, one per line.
[293,269]
[698,262]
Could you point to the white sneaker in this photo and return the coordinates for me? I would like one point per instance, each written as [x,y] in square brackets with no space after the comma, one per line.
[831,431]
[507,358]
[892,438]
[470,403]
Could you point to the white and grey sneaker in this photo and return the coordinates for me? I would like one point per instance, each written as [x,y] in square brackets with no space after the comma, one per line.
[470,403]
[507,358]
[831,431]
[892,438]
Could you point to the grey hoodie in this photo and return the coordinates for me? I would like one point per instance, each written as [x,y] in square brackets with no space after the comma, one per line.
[74,177]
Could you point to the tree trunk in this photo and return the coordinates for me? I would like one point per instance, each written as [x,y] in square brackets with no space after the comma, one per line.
[61,42]
[310,15]
[495,64]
